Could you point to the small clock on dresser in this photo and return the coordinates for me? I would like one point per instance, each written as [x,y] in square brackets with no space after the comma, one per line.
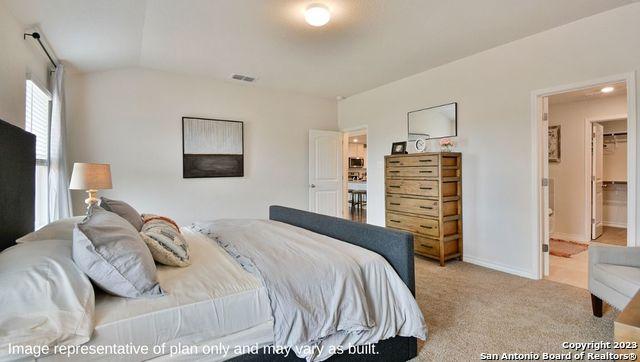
[421,144]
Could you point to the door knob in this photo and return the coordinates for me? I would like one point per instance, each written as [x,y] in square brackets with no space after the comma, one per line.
[313,186]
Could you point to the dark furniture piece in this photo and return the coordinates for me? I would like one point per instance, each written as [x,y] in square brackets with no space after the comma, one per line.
[395,246]
[596,306]
[17,183]
[358,199]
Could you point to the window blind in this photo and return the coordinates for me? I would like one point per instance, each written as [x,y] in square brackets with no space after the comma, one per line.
[37,120]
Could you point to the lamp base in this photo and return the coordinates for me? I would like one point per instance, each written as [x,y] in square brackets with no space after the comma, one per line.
[92,199]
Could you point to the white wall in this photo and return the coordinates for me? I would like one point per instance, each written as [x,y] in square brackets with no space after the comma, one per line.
[570,215]
[19,57]
[132,119]
[494,90]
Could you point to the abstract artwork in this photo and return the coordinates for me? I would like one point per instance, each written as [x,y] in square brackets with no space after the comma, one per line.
[554,144]
[212,148]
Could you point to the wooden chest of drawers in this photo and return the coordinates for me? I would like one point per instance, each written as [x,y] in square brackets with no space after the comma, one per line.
[424,197]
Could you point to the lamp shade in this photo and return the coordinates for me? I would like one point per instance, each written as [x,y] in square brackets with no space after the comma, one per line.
[90,176]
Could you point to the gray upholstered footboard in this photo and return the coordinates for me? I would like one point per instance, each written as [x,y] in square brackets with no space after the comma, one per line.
[395,246]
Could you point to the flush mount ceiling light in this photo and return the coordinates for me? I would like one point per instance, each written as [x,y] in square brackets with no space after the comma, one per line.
[317,15]
[355,140]
[606,90]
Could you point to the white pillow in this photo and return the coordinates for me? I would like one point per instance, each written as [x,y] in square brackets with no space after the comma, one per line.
[45,299]
[58,230]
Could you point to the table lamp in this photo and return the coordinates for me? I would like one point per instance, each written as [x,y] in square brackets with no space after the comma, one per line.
[90,177]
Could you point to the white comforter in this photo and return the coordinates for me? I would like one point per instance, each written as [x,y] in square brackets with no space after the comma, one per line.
[324,293]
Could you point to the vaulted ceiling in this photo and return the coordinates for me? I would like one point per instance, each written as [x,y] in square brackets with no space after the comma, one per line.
[367,43]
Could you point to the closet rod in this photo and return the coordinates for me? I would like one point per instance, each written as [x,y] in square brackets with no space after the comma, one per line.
[36,36]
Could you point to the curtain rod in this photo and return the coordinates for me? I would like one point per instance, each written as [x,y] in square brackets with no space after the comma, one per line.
[36,36]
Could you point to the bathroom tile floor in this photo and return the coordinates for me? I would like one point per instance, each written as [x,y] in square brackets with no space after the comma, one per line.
[575,270]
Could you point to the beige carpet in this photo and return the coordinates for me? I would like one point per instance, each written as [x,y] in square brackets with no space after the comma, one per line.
[470,310]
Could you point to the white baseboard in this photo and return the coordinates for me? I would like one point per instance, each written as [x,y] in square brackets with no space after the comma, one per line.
[615,224]
[569,237]
[500,267]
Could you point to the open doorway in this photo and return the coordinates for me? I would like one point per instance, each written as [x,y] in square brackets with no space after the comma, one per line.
[355,171]
[608,183]
[587,166]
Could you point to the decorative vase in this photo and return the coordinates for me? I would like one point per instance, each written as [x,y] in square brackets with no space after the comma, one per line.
[446,148]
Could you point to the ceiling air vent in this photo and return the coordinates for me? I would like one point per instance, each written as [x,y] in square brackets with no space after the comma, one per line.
[244,78]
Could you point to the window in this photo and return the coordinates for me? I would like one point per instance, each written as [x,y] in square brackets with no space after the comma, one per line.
[37,113]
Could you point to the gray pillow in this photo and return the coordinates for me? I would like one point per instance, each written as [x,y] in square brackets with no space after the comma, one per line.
[114,256]
[123,209]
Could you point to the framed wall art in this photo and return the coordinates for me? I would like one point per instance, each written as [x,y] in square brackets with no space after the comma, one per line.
[212,148]
[554,144]
[399,148]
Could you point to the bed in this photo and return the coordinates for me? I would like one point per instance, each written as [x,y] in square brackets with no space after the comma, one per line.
[231,309]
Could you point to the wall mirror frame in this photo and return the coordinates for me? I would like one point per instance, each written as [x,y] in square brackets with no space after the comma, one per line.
[430,111]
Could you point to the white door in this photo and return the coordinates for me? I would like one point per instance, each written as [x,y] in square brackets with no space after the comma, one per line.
[325,172]
[543,115]
[597,150]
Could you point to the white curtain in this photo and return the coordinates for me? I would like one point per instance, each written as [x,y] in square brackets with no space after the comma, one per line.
[59,197]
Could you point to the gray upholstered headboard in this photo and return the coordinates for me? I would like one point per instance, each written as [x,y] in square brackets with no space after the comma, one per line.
[17,183]
[395,246]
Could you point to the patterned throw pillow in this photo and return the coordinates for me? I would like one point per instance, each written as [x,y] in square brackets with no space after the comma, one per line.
[165,241]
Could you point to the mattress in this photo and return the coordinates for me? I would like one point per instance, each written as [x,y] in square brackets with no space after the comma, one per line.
[212,302]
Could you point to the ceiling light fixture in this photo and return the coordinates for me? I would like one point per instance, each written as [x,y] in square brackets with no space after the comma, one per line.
[355,140]
[606,90]
[317,15]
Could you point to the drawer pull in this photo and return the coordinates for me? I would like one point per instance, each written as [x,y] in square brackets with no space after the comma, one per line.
[425,207]
[396,221]
[393,171]
[426,227]
[394,204]
[427,246]
[427,160]
[394,161]
[395,187]
[427,171]
[426,188]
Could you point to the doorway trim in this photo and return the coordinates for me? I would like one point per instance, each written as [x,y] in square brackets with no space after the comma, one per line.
[588,170]
[537,148]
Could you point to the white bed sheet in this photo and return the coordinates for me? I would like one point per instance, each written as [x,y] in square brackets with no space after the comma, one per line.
[211,301]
